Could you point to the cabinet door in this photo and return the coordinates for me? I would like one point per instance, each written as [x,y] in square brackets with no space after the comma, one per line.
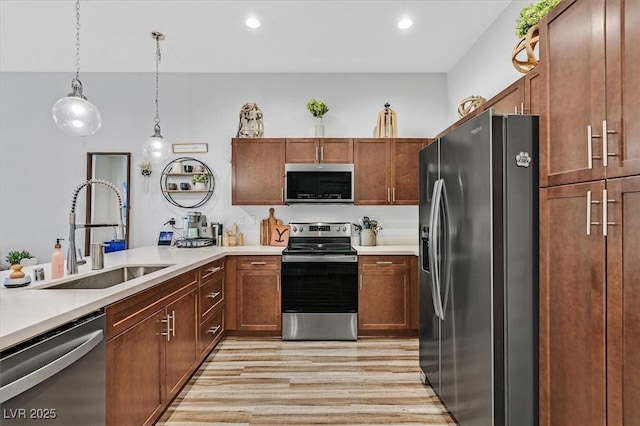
[302,150]
[385,289]
[623,300]
[372,159]
[623,87]
[135,373]
[509,100]
[336,150]
[404,171]
[258,171]
[181,346]
[532,92]
[572,307]
[258,300]
[573,72]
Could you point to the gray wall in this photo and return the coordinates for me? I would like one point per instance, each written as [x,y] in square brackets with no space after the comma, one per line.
[40,166]
[486,68]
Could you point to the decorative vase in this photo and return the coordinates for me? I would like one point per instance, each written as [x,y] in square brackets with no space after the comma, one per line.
[319,130]
[526,44]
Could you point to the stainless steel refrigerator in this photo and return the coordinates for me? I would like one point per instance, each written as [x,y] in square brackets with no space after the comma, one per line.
[478,279]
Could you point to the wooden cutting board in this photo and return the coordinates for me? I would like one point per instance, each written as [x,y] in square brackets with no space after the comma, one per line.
[267,226]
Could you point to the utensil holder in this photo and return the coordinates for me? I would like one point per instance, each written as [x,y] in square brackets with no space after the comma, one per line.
[368,237]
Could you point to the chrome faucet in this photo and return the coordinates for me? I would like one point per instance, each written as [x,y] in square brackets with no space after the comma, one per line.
[72,259]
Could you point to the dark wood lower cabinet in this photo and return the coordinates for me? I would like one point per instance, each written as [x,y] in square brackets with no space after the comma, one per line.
[181,346]
[152,349]
[572,307]
[384,293]
[135,374]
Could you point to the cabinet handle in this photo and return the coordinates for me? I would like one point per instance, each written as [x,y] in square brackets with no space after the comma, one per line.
[521,107]
[360,281]
[605,144]
[214,330]
[322,153]
[605,212]
[215,269]
[384,263]
[388,195]
[515,109]
[393,194]
[590,202]
[590,137]
[173,320]
[213,295]
[278,281]
[167,320]
[282,190]
[316,154]
[258,263]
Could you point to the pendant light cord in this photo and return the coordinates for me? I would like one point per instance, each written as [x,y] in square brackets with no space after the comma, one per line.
[77,39]
[158,58]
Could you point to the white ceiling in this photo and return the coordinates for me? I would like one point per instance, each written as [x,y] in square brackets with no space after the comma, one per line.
[210,35]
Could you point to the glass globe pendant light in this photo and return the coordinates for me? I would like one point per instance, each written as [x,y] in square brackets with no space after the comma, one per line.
[74,114]
[156,148]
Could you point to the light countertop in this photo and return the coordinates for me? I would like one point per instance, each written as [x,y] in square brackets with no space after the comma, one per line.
[29,311]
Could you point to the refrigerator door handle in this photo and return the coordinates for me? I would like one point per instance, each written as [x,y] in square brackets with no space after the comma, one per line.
[437,255]
[431,247]
[446,238]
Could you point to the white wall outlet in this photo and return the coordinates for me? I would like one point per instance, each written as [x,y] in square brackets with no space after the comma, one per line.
[240,220]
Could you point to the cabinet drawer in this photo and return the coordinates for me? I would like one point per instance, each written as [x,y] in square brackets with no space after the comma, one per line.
[382,263]
[211,331]
[258,262]
[211,293]
[128,312]
[210,269]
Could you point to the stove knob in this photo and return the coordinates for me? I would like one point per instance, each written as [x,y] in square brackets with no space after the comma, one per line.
[344,229]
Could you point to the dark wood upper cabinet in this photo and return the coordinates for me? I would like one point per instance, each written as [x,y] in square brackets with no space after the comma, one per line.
[591,78]
[508,101]
[319,150]
[387,170]
[258,171]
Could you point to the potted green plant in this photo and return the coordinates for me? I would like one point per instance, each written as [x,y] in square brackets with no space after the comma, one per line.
[15,257]
[145,168]
[527,30]
[200,181]
[318,109]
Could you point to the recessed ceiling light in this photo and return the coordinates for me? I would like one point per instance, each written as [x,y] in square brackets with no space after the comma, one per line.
[252,23]
[405,23]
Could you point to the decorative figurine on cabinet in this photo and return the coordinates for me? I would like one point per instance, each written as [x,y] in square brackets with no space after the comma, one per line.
[387,126]
[250,125]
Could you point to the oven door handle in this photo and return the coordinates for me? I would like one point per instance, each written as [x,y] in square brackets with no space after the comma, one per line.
[319,258]
[82,346]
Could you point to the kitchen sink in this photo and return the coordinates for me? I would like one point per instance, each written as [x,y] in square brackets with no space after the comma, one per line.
[107,279]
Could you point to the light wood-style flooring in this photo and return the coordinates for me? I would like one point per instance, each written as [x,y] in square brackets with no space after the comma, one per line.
[267,381]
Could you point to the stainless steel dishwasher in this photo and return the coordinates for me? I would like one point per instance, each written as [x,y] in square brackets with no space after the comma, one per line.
[58,378]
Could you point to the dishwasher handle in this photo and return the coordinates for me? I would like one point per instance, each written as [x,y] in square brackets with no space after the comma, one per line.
[41,374]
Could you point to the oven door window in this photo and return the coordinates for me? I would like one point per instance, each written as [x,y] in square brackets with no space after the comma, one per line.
[321,287]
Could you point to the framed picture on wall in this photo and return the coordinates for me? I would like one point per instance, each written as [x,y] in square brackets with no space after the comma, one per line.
[180,148]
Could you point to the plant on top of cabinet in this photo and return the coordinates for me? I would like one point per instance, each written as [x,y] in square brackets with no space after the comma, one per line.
[318,109]
[527,30]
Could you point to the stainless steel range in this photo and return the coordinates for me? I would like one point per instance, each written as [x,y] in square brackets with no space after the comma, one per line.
[320,283]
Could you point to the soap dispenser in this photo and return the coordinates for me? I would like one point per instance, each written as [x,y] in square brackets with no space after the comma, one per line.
[57,261]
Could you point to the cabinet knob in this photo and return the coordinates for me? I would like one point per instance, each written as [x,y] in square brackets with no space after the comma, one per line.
[214,330]
[213,295]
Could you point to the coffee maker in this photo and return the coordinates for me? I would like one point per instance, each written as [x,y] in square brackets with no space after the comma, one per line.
[196,231]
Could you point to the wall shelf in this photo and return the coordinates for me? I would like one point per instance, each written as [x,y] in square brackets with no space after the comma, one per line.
[202,195]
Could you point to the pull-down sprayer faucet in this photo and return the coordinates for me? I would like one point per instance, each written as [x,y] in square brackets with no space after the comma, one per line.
[72,259]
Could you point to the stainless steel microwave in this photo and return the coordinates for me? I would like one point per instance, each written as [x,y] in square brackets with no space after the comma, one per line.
[318,183]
